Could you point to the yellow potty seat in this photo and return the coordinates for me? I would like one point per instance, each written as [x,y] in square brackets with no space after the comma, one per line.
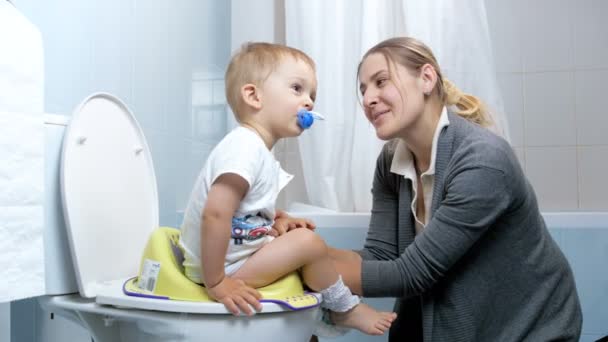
[161,276]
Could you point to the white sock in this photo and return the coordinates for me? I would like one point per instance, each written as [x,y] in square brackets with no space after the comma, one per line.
[338,297]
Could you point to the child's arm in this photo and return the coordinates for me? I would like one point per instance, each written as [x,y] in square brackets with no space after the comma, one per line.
[223,200]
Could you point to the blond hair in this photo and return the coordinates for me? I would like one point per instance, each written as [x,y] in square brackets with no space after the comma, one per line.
[253,63]
[413,54]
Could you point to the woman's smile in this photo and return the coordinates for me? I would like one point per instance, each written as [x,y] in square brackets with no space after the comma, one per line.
[377,116]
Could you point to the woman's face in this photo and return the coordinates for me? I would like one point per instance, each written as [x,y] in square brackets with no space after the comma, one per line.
[393,99]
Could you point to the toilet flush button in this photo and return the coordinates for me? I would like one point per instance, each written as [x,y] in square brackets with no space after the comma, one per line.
[81,140]
[138,150]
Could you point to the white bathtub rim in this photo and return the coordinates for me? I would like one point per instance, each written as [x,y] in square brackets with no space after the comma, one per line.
[553,220]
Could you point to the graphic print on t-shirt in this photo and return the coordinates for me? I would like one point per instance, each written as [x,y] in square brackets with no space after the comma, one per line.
[250,227]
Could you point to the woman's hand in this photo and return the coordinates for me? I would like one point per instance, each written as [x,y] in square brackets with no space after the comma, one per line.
[284,223]
[236,296]
[348,264]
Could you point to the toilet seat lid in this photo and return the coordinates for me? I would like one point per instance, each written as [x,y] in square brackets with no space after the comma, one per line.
[108,190]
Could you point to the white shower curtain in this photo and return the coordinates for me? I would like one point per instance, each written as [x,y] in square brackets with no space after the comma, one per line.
[338,156]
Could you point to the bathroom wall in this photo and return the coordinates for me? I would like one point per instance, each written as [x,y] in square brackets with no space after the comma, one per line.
[551,59]
[166,61]
[552,62]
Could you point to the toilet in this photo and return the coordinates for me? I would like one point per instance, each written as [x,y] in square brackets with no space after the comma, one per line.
[102,233]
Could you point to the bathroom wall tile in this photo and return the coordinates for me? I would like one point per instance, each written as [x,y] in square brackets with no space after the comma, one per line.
[112,48]
[549,118]
[163,148]
[67,52]
[506,32]
[196,71]
[196,155]
[179,65]
[511,88]
[219,94]
[587,252]
[150,89]
[198,51]
[593,168]
[591,114]
[208,123]
[553,175]
[210,37]
[590,34]
[547,39]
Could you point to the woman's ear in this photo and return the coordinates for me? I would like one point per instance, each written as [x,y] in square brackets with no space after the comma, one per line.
[251,96]
[428,75]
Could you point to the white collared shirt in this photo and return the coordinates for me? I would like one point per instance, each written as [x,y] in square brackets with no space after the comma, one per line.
[403,164]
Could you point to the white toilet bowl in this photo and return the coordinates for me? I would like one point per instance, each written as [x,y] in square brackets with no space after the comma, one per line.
[110,206]
[110,324]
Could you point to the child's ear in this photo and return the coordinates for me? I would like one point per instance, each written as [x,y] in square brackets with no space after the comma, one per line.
[251,95]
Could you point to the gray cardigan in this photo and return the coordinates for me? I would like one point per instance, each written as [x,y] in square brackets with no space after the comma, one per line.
[485,267]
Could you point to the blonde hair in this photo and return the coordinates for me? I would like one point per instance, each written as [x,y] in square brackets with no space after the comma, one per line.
[253,63]
[413,54]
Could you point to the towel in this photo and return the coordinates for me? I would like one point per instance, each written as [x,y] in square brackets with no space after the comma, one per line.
[21,157]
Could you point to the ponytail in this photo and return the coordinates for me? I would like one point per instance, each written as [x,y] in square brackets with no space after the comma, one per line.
[465,105]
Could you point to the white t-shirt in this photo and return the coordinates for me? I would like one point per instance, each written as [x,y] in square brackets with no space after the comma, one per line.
[244,153]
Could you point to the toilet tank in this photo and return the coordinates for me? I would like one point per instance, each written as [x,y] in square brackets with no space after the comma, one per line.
[59,268]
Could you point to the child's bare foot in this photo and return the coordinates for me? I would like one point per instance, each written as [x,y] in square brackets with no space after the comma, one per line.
[364,318]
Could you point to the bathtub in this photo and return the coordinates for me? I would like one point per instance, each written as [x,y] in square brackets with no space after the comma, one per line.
[582,236]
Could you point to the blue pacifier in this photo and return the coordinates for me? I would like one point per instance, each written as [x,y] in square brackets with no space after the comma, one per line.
[307,117]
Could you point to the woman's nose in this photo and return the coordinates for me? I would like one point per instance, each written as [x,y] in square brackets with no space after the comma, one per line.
[369,100]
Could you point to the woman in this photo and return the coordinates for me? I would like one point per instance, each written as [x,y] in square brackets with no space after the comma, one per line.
[455,233]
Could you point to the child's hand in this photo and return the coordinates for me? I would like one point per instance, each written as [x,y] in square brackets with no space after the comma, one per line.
[284,224]
[236,296]
[273,232]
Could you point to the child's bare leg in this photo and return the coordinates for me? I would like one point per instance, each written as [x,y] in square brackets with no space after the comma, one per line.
[302,248]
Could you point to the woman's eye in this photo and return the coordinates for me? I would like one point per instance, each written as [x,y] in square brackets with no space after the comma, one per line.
[380,82]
